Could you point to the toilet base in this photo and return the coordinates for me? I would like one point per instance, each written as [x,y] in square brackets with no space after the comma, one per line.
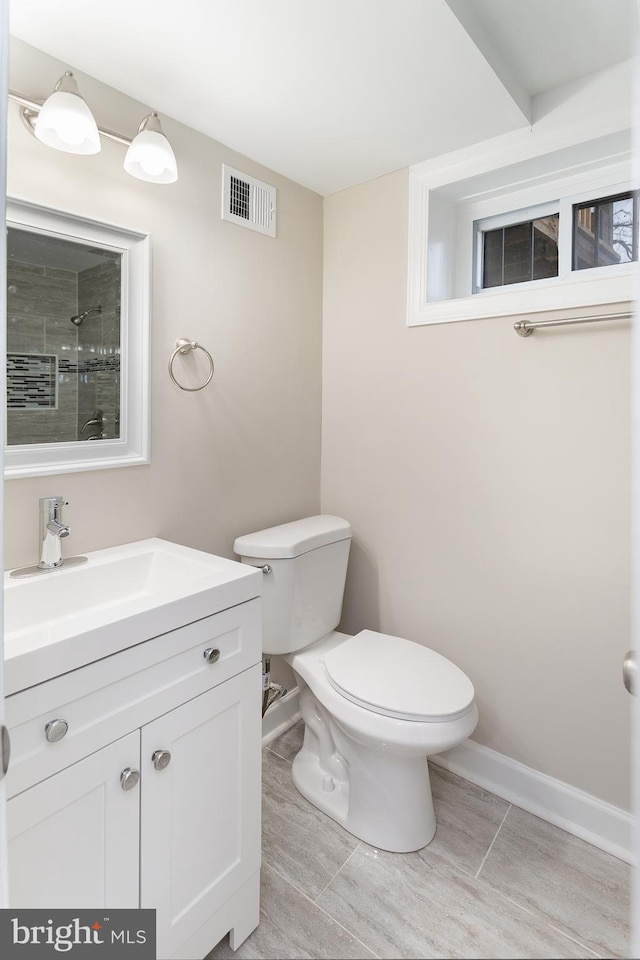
[379,797]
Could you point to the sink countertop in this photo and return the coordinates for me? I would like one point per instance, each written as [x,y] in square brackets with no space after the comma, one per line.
[65,618]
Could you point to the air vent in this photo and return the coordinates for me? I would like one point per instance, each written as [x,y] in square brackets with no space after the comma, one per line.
[248,202]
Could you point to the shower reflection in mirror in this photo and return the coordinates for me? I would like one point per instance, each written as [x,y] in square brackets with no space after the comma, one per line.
[63,340]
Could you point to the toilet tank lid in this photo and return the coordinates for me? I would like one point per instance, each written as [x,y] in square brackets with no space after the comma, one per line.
[293,539]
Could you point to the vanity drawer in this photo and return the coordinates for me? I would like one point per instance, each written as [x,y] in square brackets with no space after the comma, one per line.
[105,700]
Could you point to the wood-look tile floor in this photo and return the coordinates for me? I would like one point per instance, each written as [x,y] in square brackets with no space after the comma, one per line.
[494,882]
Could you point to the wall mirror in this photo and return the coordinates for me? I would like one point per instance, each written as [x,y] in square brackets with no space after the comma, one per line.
[77,350]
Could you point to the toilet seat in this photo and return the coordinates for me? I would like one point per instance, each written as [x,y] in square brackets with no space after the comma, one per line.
[398,678]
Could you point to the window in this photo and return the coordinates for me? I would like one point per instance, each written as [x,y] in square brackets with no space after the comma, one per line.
[572,163]
[523,245]
[605,232]
[516,252]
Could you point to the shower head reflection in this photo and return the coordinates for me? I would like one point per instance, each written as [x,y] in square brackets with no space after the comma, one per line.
[79,317]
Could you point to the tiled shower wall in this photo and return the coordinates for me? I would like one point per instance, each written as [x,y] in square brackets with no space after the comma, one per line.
[99,350]
[41,302]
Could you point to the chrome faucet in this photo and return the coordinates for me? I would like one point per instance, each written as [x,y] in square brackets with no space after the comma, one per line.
[52,531]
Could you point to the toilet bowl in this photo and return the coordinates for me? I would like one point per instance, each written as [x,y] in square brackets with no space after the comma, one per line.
[364,763]
[374,706]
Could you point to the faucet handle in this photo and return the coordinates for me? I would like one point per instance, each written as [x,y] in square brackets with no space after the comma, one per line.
[51,509]
[53,502]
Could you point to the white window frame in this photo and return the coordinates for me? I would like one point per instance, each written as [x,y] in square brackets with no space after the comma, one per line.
[627,189]
[564,209]
[501,178]
[511,219]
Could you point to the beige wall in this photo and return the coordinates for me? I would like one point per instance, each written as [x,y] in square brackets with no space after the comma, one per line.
[487,478]
[245,452]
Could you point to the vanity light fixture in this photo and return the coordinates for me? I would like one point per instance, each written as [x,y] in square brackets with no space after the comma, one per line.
[150,156]
[64,121]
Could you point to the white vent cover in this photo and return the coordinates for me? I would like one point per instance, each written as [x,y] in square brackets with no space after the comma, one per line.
[248,202]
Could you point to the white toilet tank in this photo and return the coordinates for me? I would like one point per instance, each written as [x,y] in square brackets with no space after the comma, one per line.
[302,596]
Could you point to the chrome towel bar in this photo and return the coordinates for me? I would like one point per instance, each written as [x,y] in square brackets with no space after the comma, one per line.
[524,328]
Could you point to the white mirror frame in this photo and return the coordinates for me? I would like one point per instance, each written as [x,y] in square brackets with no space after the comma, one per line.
[132,447]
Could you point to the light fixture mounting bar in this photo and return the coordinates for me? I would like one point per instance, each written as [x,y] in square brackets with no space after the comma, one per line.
[31,108]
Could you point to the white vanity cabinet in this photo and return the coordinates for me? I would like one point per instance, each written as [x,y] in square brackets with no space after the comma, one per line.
[73,838]
[151,798]
[200,822]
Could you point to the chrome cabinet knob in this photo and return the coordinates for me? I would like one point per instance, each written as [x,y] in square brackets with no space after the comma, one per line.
[55,730]
[129,778]
[160,759]
[211,655]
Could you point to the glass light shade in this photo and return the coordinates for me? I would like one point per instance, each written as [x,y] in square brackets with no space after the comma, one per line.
[65,121]
[150,156]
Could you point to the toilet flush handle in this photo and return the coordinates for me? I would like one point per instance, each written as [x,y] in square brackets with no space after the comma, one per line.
[265,567]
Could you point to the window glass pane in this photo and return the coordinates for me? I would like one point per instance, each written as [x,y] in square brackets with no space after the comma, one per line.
[517,253]
[605,232]
[545,247]
[584,227]
[605,251]
[492,258]
[520,252]
[622,217]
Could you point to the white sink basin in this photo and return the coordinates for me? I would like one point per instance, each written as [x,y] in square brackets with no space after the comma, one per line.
[59,620]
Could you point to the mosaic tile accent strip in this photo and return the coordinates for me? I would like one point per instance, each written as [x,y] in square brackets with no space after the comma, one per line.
[31,381]
[94,365]
[100,365]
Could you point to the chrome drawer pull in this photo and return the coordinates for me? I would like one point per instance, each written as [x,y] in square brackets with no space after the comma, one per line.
[160,759]
[55,730]
[211,655]
[129,778]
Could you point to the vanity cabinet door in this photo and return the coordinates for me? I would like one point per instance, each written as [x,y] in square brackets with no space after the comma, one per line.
[73,839]
[200,816]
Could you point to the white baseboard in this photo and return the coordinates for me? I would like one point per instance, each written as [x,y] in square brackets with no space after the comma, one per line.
[280,716]
[577,812]
[581,814]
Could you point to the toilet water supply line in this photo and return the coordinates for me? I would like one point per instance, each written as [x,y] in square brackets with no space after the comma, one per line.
[270,691]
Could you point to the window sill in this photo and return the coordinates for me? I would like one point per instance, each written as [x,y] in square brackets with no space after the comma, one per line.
[538,297]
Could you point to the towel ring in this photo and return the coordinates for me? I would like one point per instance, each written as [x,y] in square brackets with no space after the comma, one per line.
[183,345]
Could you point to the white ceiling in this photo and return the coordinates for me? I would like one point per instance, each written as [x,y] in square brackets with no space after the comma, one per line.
[334,92]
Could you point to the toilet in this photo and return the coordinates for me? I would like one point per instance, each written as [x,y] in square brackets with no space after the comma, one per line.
[374,706]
